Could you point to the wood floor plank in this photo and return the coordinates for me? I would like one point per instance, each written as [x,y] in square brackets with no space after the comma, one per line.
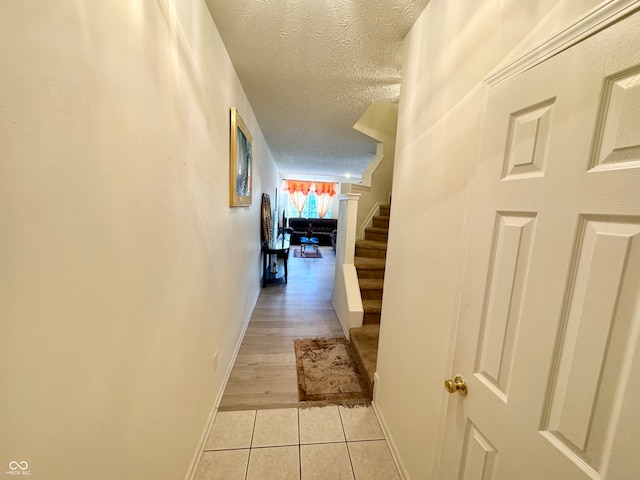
[264,373]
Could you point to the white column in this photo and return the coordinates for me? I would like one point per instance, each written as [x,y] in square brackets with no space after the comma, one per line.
[347,221]
[347,300]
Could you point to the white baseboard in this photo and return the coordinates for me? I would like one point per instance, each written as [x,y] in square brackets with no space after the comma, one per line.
[193,466]
[344,329]
[404,475]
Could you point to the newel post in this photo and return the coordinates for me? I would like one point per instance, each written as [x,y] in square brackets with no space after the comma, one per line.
[347,221]
[347,301]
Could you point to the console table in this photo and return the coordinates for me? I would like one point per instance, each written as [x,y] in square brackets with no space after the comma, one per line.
[280,248]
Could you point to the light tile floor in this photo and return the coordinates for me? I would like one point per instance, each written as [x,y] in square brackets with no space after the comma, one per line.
[318,443]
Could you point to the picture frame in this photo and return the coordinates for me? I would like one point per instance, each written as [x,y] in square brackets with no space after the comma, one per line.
[240,162]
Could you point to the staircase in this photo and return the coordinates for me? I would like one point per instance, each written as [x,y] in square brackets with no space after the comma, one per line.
[370,259]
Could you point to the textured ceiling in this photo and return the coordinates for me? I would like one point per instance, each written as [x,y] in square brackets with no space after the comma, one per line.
[310,69]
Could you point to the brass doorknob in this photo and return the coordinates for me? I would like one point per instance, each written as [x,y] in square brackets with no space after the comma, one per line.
[458,384]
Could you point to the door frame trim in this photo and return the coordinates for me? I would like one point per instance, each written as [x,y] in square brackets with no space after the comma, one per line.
[600,18]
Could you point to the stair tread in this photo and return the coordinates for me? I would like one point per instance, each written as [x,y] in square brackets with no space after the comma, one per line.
[376,230]
[371,283]
[373,244]
[364,341]
[372,306]
[367,263]
[382,217]
[365,332]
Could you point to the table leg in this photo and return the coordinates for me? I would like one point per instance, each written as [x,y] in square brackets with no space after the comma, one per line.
[286,256]
[264,269]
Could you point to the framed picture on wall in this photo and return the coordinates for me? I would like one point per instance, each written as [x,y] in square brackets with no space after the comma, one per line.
[240,162]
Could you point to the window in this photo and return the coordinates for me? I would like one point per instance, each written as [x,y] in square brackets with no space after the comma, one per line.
[310,209]
[309,199]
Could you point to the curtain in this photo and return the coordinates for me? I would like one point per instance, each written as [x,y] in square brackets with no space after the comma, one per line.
[299,190]
[298,186]
[325,188]
[298,199]
[323,202]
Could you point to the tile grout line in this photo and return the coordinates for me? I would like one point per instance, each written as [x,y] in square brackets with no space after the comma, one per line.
[346,443]
[264,447]
[255,419]
[299,446]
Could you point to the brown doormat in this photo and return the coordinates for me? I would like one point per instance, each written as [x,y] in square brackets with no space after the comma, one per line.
[328,372]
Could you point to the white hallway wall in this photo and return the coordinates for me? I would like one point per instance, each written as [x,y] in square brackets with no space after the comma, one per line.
[448,53]
[123,270]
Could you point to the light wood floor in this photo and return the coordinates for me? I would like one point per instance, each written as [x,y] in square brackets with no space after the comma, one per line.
[264,374]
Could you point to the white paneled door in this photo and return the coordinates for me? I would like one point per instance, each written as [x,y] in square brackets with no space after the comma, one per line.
[550,313]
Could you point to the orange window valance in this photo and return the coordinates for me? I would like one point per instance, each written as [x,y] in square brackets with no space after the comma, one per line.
[320,188]
[327,188]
